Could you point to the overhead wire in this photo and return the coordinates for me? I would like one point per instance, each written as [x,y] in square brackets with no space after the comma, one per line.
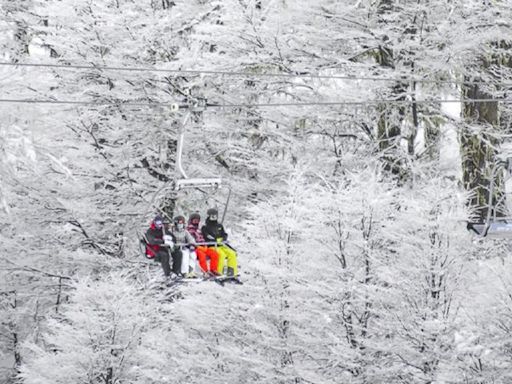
[250,74]
[250,105]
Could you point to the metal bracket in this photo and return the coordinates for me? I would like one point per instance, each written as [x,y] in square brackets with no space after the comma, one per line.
[197,104]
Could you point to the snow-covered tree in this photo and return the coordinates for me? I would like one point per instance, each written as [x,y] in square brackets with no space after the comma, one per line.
[349,275]
[428,282]
[111,330]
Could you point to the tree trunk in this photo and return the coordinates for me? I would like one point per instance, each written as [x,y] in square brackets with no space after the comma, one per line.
[432,137]
[478,150]
[389,132]
[390,116]
[479,146]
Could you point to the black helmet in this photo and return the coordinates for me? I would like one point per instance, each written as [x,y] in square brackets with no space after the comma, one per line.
[179,219]
[194,217]
[212,212]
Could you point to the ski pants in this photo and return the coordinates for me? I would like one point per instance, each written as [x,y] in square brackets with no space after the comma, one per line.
[229,254]
[204,253]
[188,262]
[164,255]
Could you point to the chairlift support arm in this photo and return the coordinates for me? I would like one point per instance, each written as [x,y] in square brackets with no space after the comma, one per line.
[186,182]
[181,139]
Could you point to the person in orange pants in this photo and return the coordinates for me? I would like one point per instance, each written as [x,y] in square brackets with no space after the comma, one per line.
[203,252]
[213,231]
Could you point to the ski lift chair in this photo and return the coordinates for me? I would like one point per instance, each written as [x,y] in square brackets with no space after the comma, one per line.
[495,227]
[143,242]
[498,229]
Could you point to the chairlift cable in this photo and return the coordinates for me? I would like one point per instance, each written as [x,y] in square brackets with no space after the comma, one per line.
[256,105]
[249,74]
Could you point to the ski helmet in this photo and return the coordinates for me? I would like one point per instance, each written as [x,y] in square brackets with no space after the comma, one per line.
[158,221]
[179,219]
[194,218]
[212,212]
[179,223]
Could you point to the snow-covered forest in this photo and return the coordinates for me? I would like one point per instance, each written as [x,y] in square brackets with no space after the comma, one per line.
[357,138]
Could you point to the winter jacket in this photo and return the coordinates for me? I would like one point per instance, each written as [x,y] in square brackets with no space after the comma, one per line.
[155,238]
[213,230]
[196,233]
[183,237]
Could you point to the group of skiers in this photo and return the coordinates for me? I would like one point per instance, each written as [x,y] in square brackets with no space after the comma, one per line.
[187,243]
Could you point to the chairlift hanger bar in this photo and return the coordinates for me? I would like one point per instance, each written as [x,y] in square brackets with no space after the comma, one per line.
[248,74]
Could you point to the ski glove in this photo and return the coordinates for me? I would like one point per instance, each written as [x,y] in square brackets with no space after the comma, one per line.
[219,240]
[168,240]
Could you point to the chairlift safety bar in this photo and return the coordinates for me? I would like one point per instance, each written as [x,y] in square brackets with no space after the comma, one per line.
[198,183]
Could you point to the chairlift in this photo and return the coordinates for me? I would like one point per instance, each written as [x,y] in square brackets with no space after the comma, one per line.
[495,227]
[143,242]
[206,185]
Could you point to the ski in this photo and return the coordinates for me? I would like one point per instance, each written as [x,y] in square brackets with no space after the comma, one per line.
[172,283]
[227,279]
[191,279]
[221,280]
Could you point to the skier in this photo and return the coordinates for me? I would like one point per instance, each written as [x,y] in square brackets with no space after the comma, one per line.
[213,231]
[203,252]
[187,244]
[160,243]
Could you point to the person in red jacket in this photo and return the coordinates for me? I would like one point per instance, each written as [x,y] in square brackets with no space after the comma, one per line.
[203,252]
[161,245]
